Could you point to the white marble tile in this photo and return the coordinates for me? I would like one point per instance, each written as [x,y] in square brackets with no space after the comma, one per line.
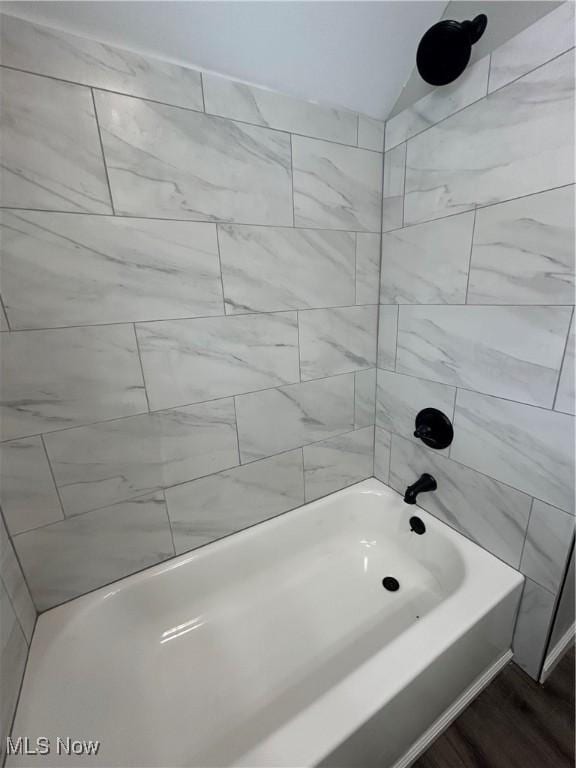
[512,352]
[277,420]
[267,269]
[335,186]
[370,133]
[216,506]
[172,163]
[61,269]
[82,553]
[367,267]
[438,104]
[336,341]
[338,462]
[51,155]
[239,101]
[548,541]
[490,513]
[523,251]
[68,377]
[364,398]
[530,448]
[566,395]
[188,361]
[101,464]
[27,492]
[13,579]
[393,188]
[400,398]
[387,333]
[531,633]
[13,654]
[427,263]
[517,141]
[382,446]
[548,37]
[58,54]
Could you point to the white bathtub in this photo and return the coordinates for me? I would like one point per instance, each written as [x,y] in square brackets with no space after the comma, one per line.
[277,646]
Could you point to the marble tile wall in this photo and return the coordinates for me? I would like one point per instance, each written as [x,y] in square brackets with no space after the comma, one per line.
[189,285]
[477,306]
[17,620]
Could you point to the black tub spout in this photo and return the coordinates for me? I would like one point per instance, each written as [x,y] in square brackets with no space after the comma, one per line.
[424,483]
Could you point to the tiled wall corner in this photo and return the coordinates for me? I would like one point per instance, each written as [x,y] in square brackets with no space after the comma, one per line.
[17,620]
[476,308]
[189,279]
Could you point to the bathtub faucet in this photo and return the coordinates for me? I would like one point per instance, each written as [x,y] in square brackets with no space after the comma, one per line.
[424,483]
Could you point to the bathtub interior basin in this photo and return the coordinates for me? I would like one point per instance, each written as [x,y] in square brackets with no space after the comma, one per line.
[275,646]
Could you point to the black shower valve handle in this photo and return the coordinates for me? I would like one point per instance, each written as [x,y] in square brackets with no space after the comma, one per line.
[423,430]
[434,428]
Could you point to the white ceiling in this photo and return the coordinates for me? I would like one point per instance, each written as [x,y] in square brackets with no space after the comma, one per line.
[353,54]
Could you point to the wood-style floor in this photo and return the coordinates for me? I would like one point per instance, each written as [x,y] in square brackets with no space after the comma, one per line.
[514,723]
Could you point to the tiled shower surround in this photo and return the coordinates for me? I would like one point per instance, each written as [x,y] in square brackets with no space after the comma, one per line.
[190,289]
[476,316]
[190,284]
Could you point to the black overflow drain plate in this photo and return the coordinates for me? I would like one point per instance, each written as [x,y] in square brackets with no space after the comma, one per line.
[391,584]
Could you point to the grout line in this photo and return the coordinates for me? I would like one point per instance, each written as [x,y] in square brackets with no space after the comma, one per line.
[489,74]
[222,316]
[22,572]
[141,367]
[153,491]
[259,313]
[397,337]
[53,476]
[3,311]
[380,258]
[303,474]
[472,103]
[12,605]
[162,492]
[299,347]
[404,184]
[203,112]
[470,259]
[292,182]
[564,353]
[177,407]
[102,151]
[354,401]
[224,313]
[529,72]
[237,432]
[145,99]
[475,391]
[453,417]
[526,535]
[389,457]
[209,222]
[202,92]
[356,269]
[24,670]
[478,206]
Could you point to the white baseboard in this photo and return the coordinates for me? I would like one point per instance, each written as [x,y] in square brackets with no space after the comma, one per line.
[557,652]
[455,709]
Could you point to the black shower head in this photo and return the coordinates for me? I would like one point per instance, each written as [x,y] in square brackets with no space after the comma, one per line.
[444,51]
